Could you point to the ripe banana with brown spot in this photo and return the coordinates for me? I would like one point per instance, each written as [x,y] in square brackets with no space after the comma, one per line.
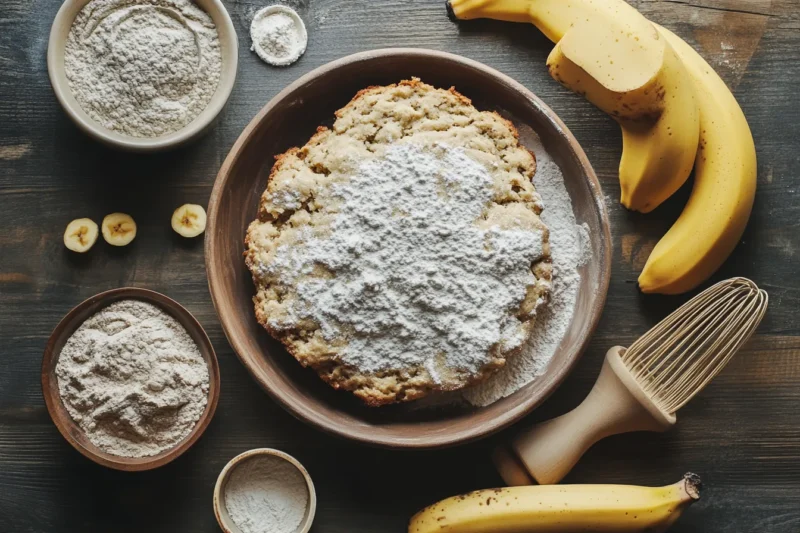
[714,218]
[560,509]
[611,54]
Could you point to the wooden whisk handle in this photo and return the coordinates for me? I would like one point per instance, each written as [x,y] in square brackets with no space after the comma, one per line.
[615,405]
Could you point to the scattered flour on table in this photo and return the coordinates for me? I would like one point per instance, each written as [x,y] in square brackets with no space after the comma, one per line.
[133,379]
[569,248]
[266,494]
[422,280]
[279,35]
[143,68]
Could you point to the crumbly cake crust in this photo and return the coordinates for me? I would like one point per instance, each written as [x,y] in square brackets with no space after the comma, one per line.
[297,196]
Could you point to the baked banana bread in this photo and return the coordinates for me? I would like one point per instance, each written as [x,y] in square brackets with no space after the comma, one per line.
[401,252]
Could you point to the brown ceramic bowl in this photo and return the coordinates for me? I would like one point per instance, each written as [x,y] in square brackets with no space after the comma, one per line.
[289,120]
[61,417]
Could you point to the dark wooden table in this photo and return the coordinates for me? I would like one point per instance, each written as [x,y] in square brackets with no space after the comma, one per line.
[742,434]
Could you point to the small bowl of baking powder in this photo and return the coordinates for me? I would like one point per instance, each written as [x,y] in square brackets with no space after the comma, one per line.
[130,379]
[279,35]
[143,75]
[264,490]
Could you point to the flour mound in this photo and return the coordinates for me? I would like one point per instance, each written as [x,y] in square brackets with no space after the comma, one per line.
[570,248]
[133,379]
[266,494]
[279,35]
[143,68]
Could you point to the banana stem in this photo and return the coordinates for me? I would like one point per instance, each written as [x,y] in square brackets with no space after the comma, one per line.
[692,485]
[553,17]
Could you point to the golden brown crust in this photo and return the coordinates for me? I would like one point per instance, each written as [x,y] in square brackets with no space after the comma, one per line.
[375,118]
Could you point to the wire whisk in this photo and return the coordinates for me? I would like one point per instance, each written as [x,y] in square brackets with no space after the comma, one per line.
[678,357]
[641,387]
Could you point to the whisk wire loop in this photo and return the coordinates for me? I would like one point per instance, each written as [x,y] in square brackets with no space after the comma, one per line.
[678,357]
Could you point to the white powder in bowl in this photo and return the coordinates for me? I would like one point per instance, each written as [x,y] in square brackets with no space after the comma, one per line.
[143,68]
[133,379]
[266,494]
[279,35]
[569,249]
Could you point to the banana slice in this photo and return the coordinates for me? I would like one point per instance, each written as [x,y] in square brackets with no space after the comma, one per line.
[189,220]
[80,235]
[119,229]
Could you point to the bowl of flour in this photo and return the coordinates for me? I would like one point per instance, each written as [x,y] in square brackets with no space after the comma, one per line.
[264,490]
[130,379]
[142,75]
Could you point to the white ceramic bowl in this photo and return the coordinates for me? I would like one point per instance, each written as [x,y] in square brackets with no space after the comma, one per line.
[55,66]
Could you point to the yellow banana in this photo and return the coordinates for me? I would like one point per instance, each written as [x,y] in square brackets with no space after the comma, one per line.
[611,54]
[716,214]
[553,17]
[627,69]
[560,509]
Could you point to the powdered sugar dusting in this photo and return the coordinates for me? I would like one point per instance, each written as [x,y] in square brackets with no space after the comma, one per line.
[266,494]
[569,249]
[420,277]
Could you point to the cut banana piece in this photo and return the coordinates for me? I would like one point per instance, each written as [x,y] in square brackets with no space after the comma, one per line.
[189,220]
[80,235]
[119,229]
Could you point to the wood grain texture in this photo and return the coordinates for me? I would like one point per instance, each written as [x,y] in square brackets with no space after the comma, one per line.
[742,434]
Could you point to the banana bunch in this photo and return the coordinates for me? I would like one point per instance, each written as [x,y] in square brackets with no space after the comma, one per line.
[675,112]
[560,509]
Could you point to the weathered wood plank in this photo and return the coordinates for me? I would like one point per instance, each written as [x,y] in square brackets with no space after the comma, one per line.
[742,434]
